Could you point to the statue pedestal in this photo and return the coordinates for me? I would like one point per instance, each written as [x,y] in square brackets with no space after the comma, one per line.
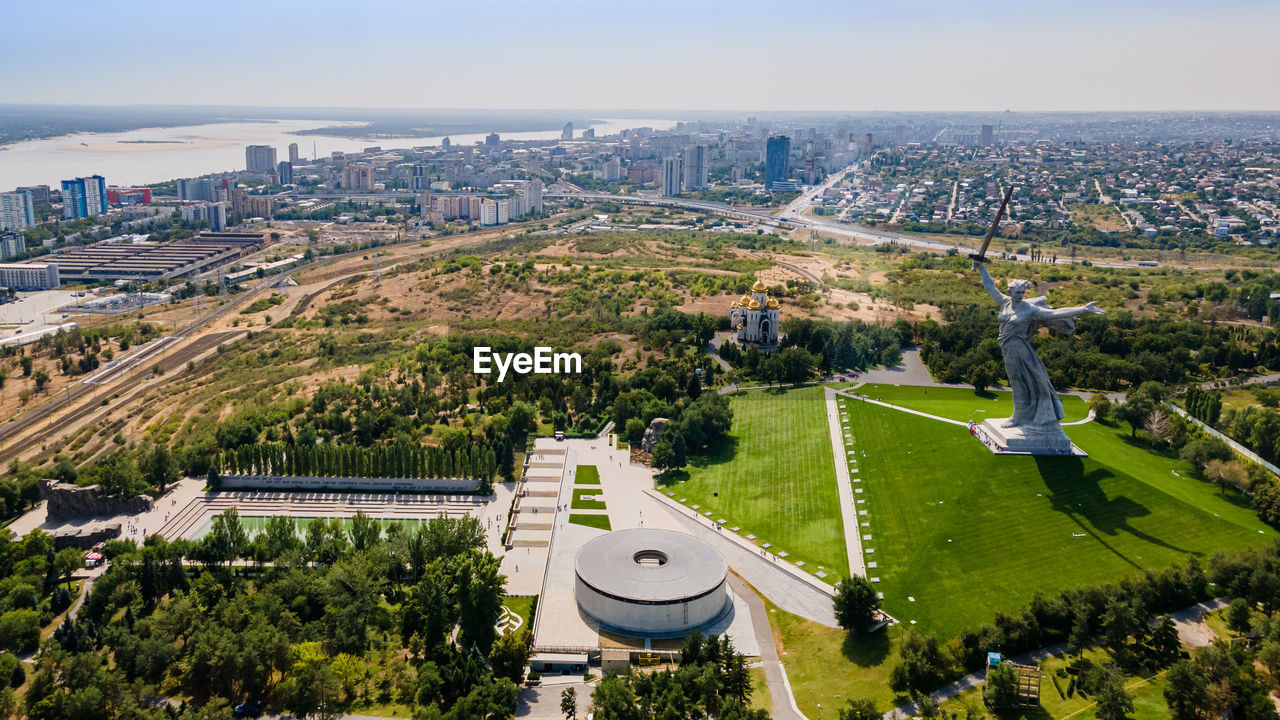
[1021,440]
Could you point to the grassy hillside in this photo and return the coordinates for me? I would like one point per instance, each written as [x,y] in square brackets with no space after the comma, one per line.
[776,479]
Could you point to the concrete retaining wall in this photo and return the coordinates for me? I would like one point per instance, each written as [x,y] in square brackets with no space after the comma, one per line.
[276,482]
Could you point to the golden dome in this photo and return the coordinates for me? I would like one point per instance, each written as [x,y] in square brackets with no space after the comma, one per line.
[773,304]
[734,306]
[755,304]
[744,300]
[759,286]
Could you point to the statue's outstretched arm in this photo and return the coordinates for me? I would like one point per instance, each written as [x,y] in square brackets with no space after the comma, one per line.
[1070,312]
[989,285]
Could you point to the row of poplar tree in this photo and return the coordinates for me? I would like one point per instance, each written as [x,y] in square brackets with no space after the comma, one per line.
[1204,405]
[399,460]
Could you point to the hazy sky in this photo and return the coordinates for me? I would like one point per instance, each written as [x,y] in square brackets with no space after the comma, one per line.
[685,54]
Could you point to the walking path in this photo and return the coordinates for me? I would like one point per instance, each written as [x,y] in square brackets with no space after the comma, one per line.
[787,586]
[1183,619]
[775,674]
[844,486]
[854,396]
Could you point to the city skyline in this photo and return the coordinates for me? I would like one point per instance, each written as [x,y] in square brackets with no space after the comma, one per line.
[911,56]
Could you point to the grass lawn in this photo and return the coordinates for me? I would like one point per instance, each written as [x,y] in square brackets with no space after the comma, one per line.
[776,478]
[580,502]
[960,533]
[962,405]
[1147,692]
[1217,622]
[595,521]
[824,665]
[587,475]
[521,605]
[761,698]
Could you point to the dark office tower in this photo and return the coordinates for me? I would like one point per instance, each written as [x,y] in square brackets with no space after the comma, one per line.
[420,178]
[285,171]
[988,135]
[492,140]
[777,160]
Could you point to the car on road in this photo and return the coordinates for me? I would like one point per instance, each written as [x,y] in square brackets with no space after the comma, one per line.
[247,710]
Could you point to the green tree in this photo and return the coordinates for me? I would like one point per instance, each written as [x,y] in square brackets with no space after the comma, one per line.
[510,654]
[1113,702]
[159,468]
[569,703]
[1239,614]
[860,710]
[1186,691]
[66,562]
[365,532]
[20,630]
[613,700]
[227,539]
[856,604]
[664,455]
[1000,690]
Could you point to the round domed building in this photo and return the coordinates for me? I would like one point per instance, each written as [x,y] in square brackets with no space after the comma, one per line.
[651,583]
[755,316]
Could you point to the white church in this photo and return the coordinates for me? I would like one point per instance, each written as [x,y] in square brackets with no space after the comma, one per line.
[755,317]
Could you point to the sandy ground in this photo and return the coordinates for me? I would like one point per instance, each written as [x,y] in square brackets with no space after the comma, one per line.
[131,147]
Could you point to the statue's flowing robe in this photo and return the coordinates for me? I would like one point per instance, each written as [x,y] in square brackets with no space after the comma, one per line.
[1034,400]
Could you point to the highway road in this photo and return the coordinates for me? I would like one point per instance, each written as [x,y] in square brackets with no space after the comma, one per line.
[857,233]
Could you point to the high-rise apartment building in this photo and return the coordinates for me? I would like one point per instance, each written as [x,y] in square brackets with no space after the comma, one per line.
[695,168]
[17,210]
[492,140]
[988,135]
[197,189]
[258,206]
[12,244]
[671,176]
[39,193]
[260,158]
[445,144]
[533,196]
[293,153]
[357,176]
[284,172]
[567,132]
[777,160]
[84,197]
[213,213]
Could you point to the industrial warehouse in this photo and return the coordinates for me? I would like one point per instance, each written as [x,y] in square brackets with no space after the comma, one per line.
[153,261]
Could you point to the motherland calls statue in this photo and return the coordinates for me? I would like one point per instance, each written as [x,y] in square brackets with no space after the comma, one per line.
[1035,426]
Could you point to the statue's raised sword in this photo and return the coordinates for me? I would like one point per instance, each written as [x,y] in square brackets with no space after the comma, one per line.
[981,255]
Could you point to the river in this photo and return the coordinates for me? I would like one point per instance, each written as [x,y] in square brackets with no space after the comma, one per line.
[152,155]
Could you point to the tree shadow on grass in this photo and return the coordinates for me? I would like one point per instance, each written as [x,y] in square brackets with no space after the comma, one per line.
[866,649]
[672,477]
[1147,445]
[717,454]
[1032,713]
[1075,489]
